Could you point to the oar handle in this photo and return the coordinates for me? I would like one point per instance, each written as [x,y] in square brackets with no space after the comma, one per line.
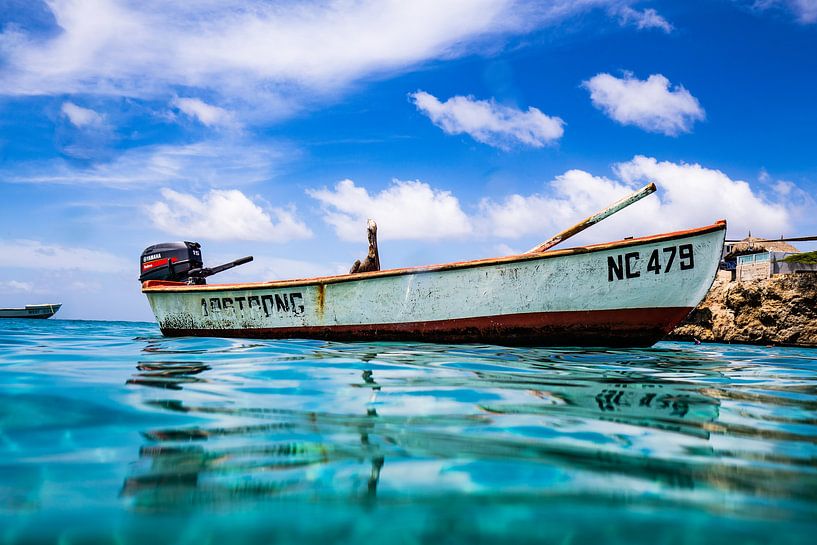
[595,218]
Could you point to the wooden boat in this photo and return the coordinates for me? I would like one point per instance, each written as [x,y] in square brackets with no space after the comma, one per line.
[626,293]
[30,311]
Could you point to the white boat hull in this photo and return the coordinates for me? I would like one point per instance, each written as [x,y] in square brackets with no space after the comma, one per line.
[628,293]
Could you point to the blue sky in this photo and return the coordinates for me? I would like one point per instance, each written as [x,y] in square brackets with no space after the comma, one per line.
[465,128]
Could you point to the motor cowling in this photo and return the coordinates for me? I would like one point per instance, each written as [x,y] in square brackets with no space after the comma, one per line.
[170,261]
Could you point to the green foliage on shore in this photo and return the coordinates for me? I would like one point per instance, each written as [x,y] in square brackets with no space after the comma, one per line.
[805,257]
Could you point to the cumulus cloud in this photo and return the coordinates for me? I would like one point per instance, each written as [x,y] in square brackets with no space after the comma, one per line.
[225,215]
[79,116]
[489,122]
[33,254]
[649,104]
[804,10]
[206,114]
[209,162]
[253,49]
[405,210]
[689,195]
[574,195]
[643,19]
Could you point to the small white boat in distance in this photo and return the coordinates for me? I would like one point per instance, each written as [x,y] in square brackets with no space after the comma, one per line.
[31,311]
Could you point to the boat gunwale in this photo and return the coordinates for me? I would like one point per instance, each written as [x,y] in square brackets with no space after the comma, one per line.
[40,305]
[160,286]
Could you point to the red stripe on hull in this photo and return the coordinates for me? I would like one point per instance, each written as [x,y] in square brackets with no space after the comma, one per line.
[623,327]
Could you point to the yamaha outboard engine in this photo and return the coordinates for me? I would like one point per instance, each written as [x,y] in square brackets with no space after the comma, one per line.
[179,262]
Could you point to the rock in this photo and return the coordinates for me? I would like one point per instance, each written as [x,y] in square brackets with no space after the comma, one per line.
[778,310]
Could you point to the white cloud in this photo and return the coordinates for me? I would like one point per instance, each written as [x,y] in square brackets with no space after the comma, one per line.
[79,116]
[489,122]
[266,267]
[15,286]
[33,254]
[278,268]
[804,10]
[210,163]
[801,203]
[405,210]
[504,249]
[225,215]
[643,19]
[689,195]
[206,114]
[574,195]
[266,53]
[649,104]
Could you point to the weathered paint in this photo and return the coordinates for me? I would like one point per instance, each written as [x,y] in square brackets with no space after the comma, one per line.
[626,327]
[626,293]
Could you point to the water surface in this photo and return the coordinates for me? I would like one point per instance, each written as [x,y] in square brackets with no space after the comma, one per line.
[111,433]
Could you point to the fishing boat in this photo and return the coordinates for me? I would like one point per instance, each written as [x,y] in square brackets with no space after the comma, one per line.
[31,311]
[631,292]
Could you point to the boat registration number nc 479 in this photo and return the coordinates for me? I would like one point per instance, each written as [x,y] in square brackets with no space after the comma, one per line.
[661,260]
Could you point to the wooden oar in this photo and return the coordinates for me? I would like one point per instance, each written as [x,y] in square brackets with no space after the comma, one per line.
[594,219]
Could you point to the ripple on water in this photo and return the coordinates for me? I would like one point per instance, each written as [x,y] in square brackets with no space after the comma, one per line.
[114,425]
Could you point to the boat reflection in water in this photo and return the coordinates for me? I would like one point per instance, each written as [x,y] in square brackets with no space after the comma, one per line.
[168,374]
[215,465]
[355,422]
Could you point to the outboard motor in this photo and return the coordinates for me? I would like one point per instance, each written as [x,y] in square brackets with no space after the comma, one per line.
[179,262]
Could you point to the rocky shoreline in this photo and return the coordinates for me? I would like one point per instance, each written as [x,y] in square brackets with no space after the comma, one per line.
[781,310]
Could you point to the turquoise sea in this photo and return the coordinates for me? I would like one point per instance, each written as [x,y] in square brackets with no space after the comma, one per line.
[110,433]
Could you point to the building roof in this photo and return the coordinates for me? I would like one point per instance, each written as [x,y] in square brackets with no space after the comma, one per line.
[755,244]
